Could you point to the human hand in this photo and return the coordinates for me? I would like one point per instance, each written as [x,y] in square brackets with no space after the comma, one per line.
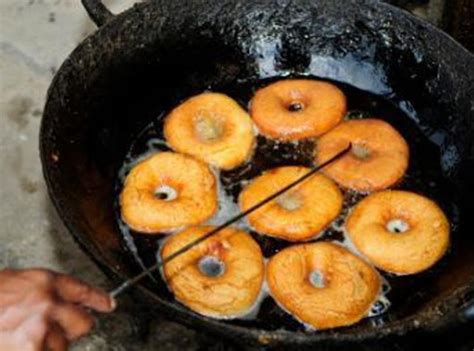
[40,309]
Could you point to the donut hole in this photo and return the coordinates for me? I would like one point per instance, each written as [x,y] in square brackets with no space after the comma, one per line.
[296,106]
[360,151]
[211,266]
[380,306]
[289,201]
[208,127]
[316,279]
[166,193]
[397,226]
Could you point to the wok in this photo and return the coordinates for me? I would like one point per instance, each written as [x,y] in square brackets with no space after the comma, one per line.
[162,51]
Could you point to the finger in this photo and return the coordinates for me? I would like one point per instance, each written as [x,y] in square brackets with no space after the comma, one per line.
[72,290]
[33,329]
[38,275]
[74,320]
[55,339]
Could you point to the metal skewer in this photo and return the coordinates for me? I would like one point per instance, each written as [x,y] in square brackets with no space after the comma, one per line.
[127,284]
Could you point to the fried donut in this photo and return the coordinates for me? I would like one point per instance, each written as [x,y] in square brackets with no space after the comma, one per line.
[167,191]
[221,277]
[297,109]
[323,284]
[379,156]
[399,231]
[213,128]
[298,214]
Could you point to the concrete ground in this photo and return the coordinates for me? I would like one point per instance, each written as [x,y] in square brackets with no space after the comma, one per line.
[35,37]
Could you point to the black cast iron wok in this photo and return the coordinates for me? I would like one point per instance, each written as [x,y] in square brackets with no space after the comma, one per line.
[164,51]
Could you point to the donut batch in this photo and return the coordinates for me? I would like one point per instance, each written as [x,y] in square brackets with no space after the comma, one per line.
[321,284]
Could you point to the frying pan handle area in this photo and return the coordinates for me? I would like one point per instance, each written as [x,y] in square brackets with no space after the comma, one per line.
[97,11]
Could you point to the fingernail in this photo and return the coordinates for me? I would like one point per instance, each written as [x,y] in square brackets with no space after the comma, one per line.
[113,303]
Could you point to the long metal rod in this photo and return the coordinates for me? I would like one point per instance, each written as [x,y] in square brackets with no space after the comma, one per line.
[125,285]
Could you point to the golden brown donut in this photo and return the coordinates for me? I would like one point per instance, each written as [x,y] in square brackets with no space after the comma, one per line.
[226,291]
[211,127]
[399,231]
[167,191]
[379,156]
[295,109]
[297,215]
[323,284]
